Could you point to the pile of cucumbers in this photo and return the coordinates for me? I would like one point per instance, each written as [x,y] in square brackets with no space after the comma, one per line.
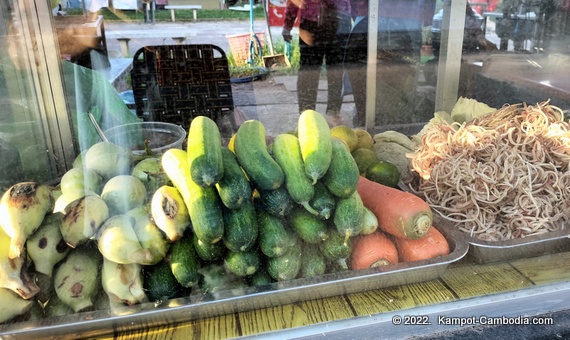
[204,220]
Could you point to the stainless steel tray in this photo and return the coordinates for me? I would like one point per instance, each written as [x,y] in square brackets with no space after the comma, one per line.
[97,323]
[531,246]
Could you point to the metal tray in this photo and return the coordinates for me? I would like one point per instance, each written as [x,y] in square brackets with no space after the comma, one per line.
[96,323]
[495,251]
[531,246]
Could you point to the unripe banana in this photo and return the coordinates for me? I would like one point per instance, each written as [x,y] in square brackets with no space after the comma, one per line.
[76,279]
[22,210]
[169,212]
[83,217]
[151,239]
[46,246]
[118,242]
[12,305]
[13,274]
[123,282]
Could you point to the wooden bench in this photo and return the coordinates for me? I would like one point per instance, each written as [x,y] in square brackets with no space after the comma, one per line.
[172,8]
[125,36]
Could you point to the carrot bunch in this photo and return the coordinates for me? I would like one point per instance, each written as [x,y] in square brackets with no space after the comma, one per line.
[405,231]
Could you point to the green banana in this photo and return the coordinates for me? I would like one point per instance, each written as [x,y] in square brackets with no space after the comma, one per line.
[169,212]
[123,282]
[151,239]
[46,246]
[12,305]
[13,272]
[76,279]
[118,242]
[83,217]
[22,210]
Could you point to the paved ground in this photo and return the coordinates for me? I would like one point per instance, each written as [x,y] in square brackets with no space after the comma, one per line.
[273,101]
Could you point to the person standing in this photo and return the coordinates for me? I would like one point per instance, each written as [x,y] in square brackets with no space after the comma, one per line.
[323,29]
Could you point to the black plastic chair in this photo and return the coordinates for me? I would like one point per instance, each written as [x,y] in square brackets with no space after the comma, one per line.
[175,83]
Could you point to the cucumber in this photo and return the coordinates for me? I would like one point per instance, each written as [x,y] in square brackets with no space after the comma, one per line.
[240,227]
[348,215]
[337,246]
[159,282]
[274,239]
[308,227]
[251,151]
[369,222]
[243,263]
[203,203]
[315,143]
[314,262]
[217,279]
[286,266]
[205,151]
[234,187]
[342,175]
[287,153]
[184,262]
[276,202]
[209,252]
[323,201]
[260,278]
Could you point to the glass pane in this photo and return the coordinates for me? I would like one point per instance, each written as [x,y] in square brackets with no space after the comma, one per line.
[23,144]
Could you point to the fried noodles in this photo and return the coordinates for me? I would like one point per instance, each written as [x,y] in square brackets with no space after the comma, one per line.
[501,176]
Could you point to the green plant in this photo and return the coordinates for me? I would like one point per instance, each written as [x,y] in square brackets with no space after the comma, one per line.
[278,48]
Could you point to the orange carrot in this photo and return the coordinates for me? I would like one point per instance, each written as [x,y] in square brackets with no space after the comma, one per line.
[400,213]
[372,250]
[432,245]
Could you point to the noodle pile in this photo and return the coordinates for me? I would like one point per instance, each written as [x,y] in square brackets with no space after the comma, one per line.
[501,176]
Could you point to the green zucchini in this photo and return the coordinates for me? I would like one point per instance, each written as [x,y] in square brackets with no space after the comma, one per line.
[308,227]
[348,215]
[314,262]
[205,151]
[203,203]
[315,143]
[274,239]
[337,246]
[342,175]
[287,153]
[323,201]
[251,151]
[209,252]
[277,202]
[288,265]
[234,187]
[184,262]
[240,227]
[243,263]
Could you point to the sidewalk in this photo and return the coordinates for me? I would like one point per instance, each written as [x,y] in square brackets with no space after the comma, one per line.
[273,101]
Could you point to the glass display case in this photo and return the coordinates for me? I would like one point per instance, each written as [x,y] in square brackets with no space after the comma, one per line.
[465,102]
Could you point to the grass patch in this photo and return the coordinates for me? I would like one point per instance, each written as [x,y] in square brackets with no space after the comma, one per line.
[163,15]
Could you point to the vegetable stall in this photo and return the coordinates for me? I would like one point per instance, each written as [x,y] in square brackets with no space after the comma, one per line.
[245,226]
